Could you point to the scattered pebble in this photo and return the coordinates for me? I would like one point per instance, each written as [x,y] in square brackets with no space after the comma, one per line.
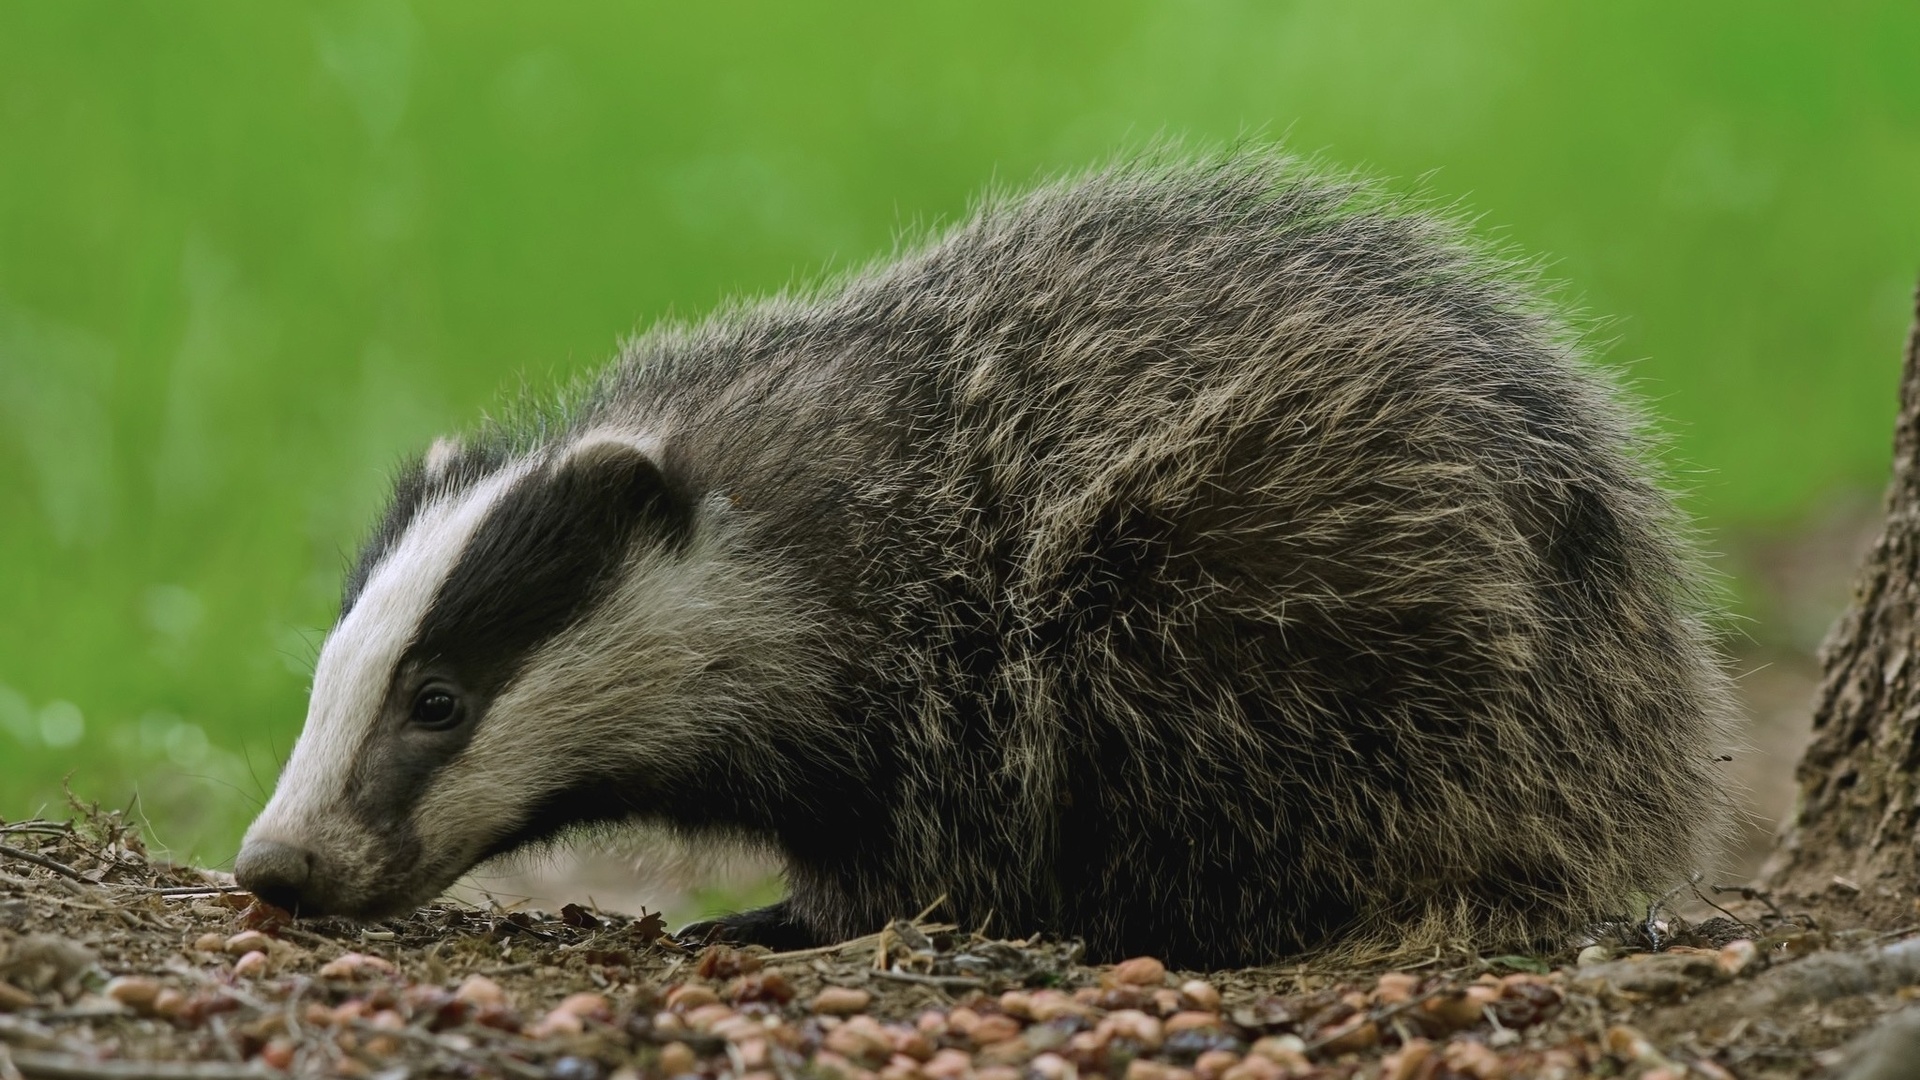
[244,942]
[688,996]
[136,992]
[993,1029]
[355,965]
[13,999]
[1737,956]
[676,1059]
[841,1001]
[250,966]
[1139,971]
[1407,1062]
[278,1053]
[1191,1021]
[1201,995]
[480,991]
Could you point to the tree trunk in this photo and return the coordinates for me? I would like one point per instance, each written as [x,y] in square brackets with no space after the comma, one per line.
[1852,836]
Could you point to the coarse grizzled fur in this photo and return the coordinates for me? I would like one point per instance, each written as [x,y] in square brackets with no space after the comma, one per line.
[1213,560]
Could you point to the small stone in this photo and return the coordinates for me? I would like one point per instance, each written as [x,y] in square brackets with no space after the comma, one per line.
[1625,1042]
[587,1006]
[841,1001]
[1736,956]
[355,965]
[574,1067]
[828,1064]
[913,1044]
[962,1020]
[1137,1026]
[1201,994]
[709,1017]
[1395,988]
[1191,1021]
[1143,1069]
[250,966]
[1406,1062]
[1286,1051]
[759,986]
[480,991]
[277,1054]
[1017,1004]
[689,996]
[210,942]
[1594,954]
[13,999]
[1255,1067]
[1358,1033]
[169,1003]
[947,1064]
[1214,1064]
[497,1017]
[993,1029]
[1453,1009]
[1139,971]
[1052,1067]
[676,1058]
[1478,1060]
[555,1023]
[246,941]
[1047,1005]
[736,1028]
[863,1043]
[136,992]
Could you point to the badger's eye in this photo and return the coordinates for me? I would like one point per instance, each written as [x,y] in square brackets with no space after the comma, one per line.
[435,707]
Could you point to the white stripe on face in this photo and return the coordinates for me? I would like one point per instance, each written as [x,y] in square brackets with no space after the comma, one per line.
[357,661]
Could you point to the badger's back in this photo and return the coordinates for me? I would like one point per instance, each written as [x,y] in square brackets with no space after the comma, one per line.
[1209,560]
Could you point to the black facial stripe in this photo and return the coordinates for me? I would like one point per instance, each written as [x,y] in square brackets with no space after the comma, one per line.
[552,546]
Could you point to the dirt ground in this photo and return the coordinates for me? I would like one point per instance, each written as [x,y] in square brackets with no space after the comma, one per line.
[113,965]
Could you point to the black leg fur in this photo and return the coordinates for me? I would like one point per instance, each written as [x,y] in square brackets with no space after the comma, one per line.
[773,926]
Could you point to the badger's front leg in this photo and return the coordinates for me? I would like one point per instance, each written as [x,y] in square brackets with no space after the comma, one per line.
[773,926]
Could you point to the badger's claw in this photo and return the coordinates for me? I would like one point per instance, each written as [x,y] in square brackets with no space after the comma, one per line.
[773,926]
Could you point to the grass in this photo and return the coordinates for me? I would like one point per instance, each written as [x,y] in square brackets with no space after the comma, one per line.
[251,253]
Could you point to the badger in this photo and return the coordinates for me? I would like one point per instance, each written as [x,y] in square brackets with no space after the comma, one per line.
[1213,558]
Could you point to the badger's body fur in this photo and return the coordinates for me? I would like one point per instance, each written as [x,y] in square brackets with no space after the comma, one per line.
[1210,560]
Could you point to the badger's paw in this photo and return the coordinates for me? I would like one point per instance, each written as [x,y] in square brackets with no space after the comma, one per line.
[772,926]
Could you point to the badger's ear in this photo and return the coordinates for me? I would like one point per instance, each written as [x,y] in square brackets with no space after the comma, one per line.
[548,548]
[620,482]
[438,461]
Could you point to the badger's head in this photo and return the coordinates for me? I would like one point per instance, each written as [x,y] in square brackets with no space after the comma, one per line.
[511,624]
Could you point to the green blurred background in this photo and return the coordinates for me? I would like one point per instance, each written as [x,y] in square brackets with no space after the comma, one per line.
[251,253]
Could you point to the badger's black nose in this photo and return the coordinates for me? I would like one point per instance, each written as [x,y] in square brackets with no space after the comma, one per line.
[275,872]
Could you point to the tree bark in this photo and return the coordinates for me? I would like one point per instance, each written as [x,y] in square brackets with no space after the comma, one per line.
[1852,835]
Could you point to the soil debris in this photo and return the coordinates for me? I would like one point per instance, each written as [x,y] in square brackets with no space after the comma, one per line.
[113,964]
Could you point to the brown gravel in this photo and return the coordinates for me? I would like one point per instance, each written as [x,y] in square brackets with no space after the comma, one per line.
[114,965]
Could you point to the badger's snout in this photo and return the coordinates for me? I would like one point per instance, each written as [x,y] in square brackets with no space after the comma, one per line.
[280,874]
